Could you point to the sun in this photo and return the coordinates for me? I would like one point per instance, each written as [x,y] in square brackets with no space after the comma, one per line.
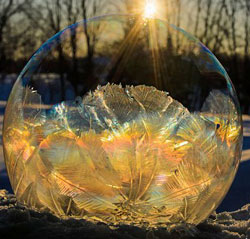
[150,9]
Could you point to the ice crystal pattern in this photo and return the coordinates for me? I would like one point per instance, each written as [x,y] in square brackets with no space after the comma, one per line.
[123,155]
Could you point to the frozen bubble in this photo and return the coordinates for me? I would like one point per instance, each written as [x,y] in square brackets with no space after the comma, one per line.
[155,137]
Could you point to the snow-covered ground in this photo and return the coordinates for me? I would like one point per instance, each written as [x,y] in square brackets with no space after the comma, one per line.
[17,221]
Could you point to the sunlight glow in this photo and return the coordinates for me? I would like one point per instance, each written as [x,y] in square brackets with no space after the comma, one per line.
[150,9]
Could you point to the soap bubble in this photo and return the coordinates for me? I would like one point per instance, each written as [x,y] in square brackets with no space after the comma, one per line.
[122,119]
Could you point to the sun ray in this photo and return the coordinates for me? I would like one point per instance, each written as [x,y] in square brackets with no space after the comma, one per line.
[155,52]
[125,50]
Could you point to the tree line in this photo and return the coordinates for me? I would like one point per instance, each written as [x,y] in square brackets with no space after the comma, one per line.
[222,25]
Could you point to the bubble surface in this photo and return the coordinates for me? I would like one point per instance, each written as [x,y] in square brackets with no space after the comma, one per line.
[123,119]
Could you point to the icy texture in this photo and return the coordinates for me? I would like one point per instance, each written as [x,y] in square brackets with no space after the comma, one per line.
[122,155]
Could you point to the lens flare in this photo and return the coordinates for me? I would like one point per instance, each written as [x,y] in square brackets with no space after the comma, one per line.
[150,9]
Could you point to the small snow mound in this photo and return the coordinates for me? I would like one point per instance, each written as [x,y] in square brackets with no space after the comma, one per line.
[16,221]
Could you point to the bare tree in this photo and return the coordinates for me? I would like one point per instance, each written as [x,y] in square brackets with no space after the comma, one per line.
[232,16]
[207,21]
[94,9]
[8,9]
[246,86]
[223,25]
[178,22]
[54,16]
[91,31]
[247,28]
[73,14]
[197,19]
[219,23]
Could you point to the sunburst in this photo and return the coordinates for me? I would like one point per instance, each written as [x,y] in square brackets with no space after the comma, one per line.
[150,9]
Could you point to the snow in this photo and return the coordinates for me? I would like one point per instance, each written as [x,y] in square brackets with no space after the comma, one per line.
[16,221]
